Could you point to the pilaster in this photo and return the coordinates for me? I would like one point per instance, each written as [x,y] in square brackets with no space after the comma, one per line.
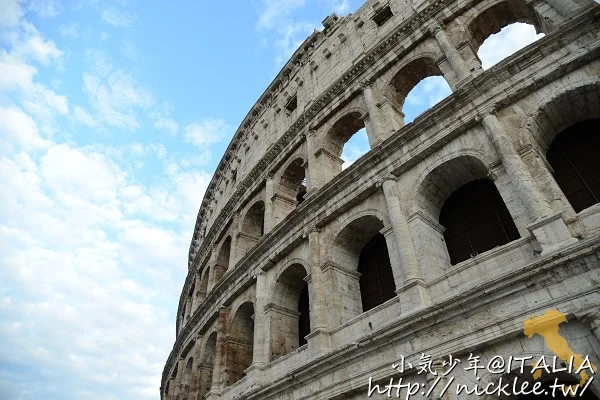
[547,227]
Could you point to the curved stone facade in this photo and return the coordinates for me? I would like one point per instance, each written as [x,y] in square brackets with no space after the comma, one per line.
[280,301]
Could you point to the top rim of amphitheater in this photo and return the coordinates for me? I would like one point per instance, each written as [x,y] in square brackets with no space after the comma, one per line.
[295,61]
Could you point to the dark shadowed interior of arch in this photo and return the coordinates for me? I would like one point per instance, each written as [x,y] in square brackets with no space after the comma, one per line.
[223,260]
[365,247]
[304,318]
[254,223]
[502,30]
[476,219]
[418,86]
[293,180]
[207,365]
[574,157]
[376,281]
[240,346]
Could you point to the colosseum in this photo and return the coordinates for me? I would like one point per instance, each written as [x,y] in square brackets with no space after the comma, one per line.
[438,246]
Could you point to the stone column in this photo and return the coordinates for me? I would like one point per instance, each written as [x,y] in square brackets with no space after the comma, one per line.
[376,129]
[565,7]
[269,212]
[548,228]
[212,260]
[261,348]
[410,277]
[383,119]
[312,178]
[220,356]
[195,284]
[188,307]
[319,340]
[452,55]
[234,255]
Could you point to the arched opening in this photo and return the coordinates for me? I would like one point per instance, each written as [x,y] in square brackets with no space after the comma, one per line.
[239,344]
[362,250]
[356,147]
[476,219]
[289,190]
[376,279]
[202,289]
[503,29]
[223,259]
[304,318]
[425,95]
[416,87]
[293,181]
[253,227]
[207,365]
[345,141]
[573,155]
[289,314]
[254,223]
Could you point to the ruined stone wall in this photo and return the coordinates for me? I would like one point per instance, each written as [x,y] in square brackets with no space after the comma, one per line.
[280,215]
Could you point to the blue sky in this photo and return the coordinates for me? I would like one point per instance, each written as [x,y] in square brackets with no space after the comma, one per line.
[113,116]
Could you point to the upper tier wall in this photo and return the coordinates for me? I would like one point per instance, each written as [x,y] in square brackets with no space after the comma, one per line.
[323,58]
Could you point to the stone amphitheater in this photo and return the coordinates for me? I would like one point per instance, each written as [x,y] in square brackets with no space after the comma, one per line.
[309,281]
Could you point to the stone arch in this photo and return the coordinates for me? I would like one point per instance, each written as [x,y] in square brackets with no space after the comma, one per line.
[207,365]
[561,109]
[408,75]
[253,223]
[252,228]
[493,16]
[239,343]
[202,286]
[562,112]
[289,188]
[288,312]
[293,179]
[433,188]
[458,197]
[187,373]
[340,131]
[359,266]
[223,260]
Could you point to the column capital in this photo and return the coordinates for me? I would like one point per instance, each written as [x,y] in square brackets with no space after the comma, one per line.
[366,84]
[388,178]
[434,27]
[490,111]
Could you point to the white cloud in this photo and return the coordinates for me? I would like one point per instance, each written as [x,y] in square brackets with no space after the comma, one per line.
[277,13]
[425,95]
[83,117]
[93,255]
[119,18]
[355,147]
[10,12]
[70,30]
[33,46]
[117,98]
[508,41]
[44,8]
[19,129]
[207,131]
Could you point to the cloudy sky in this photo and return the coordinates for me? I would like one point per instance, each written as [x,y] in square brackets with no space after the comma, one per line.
[113,115]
